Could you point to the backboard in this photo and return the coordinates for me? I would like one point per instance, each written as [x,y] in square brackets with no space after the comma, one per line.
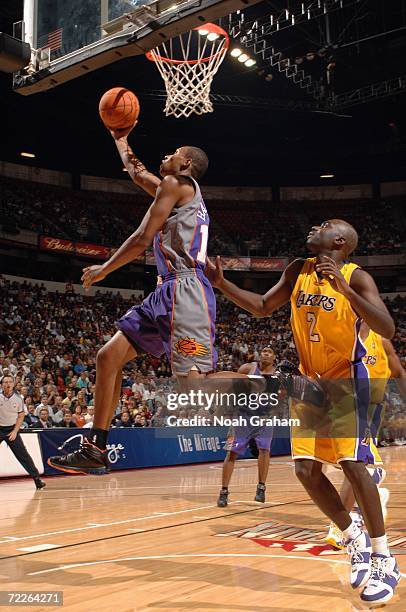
[71,38]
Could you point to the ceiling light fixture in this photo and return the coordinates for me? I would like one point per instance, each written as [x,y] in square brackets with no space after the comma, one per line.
[235,52]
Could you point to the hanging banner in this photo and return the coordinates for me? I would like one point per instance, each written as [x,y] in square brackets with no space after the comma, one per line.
[83,249]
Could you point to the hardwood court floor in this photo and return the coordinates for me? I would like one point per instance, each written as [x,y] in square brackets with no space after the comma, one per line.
[155,540]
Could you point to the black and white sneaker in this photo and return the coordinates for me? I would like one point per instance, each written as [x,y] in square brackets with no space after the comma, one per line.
[222,501]
[260,494]
[40,484]
[88,459]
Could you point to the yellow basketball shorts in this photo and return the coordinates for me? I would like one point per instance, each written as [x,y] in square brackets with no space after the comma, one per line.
[347,430]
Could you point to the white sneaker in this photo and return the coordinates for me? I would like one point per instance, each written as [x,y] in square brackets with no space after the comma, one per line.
[384,495]
[335,537]
[384,578]
[357,518]
[360,551]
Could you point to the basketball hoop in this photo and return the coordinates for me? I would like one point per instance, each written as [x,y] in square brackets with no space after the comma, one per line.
[187,65]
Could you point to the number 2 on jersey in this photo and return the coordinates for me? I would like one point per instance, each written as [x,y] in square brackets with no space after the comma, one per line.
[311,318]
[204,234]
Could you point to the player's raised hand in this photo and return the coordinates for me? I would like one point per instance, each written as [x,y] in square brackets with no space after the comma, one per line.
[92,275]
[122,132]
[214,271]
[329,268]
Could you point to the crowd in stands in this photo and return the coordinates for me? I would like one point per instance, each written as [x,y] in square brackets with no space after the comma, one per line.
[49,341]
[263,229]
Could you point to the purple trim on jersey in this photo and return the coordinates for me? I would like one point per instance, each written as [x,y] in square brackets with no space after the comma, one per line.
[159,256]
[197,235]
[359,350]
[362,396]
[211,307]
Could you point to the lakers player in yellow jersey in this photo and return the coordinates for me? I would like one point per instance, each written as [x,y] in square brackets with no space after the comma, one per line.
[382,363]
[330,298]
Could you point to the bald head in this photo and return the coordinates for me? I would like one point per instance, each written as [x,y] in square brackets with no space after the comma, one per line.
[348,234]
[333,235]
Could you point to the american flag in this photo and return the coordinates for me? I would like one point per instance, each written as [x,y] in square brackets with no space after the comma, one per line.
[52,40]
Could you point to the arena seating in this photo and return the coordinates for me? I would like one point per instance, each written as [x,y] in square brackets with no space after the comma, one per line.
[247,228]
[49,339]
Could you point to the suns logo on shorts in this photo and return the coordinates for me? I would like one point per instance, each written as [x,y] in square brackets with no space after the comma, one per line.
[189,347]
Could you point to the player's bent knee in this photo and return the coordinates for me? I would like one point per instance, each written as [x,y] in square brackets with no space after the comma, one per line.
[231,456]
[354,470]
[307,473]
[105,357]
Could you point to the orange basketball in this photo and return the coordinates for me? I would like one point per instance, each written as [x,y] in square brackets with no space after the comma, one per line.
[119,108]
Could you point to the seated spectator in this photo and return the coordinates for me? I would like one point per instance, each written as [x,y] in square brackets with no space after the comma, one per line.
[83,380]
[30,419]
[89,416]
[67,420]
[77,417]
[139,420]
[45,422]
[89,394]
[67,401]
[125,420]
[43,404]
[145,411]
[57,409]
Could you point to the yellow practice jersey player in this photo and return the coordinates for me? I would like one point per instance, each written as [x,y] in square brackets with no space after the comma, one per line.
[327,335]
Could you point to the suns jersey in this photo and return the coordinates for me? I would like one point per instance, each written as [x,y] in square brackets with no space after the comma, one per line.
[325,327]
[377,363]
[181,245]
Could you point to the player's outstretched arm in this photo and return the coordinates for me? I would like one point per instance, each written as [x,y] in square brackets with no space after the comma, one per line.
[397,370]
[255,303]
[168,194]
[136,169]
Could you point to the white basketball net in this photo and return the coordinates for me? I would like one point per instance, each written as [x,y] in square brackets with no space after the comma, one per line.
[188,79]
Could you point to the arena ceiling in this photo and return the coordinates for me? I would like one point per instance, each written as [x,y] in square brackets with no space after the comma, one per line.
[283,134]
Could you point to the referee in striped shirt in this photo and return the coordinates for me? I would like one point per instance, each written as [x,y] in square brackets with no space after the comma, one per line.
[11,418]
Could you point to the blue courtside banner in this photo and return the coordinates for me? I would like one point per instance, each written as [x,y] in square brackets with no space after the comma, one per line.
[151,447]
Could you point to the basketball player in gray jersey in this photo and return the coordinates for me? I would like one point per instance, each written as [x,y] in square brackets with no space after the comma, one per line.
[178,318]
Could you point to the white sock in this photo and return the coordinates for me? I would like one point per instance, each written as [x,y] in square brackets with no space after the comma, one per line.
[352,532]
[380,545]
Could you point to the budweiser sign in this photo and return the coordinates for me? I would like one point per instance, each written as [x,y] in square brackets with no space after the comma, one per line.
[83,249]
[265,264]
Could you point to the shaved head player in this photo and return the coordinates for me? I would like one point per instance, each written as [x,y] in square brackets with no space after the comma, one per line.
[178,318]
[330,298]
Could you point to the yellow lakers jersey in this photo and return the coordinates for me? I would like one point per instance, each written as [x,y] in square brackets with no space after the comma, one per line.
[324,325]
[377,364]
